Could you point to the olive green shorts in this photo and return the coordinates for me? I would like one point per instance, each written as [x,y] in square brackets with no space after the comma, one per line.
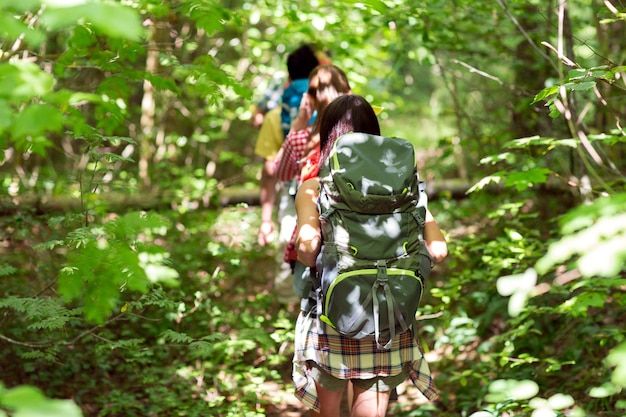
[378,384]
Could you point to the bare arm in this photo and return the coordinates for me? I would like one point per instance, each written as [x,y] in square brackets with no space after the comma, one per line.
[435,241]
[308,237]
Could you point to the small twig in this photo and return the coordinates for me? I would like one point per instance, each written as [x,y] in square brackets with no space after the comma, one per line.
[93,329]
[562,57]
[429,316]
[479,72]
[28,344]
[525,34]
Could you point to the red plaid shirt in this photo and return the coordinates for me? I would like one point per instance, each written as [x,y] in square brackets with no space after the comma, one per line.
[287,162]
[346,358]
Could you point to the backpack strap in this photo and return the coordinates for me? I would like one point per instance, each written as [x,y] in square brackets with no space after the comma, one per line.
[393,310]
[419,214]
[325,226]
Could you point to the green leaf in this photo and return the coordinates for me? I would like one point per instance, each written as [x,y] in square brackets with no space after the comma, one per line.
[377,5]
[162,274]
[20,81]
[494,178]
[50,408]
[19,6]
[82,38]
[545,93]
[112,19]
[605,390]
[617,358]
[519,288]
[584,86]
[37,119]
[511,284]
[524,143]
[596,232]
[176,337]
[27,401]
[6,117]
[526,179]
[503,390]
[577,74]
[560,401]
[11,28]
[20,395]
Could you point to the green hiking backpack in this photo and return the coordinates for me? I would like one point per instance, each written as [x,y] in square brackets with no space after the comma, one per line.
[373,261]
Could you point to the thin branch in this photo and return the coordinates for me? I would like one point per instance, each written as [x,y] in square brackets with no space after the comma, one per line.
[562,57]
[479,72]
[526,35]
[28,344]
[429,316]
[93,329]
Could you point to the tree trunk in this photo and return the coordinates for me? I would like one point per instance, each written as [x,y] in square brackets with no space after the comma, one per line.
[149,134]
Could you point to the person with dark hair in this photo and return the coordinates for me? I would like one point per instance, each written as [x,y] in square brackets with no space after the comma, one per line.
[324,361]
[326,83]
[298,154]
[300,63]
[275,126]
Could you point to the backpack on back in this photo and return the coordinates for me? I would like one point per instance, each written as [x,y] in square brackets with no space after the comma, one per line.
[373,261]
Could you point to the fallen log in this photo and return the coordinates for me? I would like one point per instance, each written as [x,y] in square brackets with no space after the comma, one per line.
[116,201]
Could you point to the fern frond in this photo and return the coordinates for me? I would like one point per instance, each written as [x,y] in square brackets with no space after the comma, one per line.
[6,270]
[176,337]
[45,313]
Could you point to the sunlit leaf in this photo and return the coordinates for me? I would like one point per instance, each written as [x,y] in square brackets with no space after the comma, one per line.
[587,85]
[6,116]
[511,389]
[21,81]
[17,396]
[617,358]
[508,157]
[112,19]
[377,5]
[37,119]
[560,401]
[538,402]
[597,233]
[494,178]
[545,93]
[510,284]
[50,408]
[543,412]
[482,414]
[11,28]
[605,390]
[524,179]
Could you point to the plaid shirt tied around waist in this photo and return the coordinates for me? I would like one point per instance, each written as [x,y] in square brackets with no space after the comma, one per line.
[346,358]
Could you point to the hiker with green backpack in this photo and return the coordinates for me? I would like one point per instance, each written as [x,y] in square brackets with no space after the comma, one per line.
[366,233]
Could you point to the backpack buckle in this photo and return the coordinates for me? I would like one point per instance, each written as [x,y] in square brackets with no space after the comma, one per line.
[381,266]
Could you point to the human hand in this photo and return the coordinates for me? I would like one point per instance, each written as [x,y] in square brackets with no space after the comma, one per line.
[313,142]
[257,119]
[266,233]
[438,249]
[305,112]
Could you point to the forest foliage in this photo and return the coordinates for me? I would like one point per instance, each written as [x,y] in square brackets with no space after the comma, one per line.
[129,288]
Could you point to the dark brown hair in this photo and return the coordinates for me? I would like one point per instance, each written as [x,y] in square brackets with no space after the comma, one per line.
[301,62]
[345,114]
[330,82]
